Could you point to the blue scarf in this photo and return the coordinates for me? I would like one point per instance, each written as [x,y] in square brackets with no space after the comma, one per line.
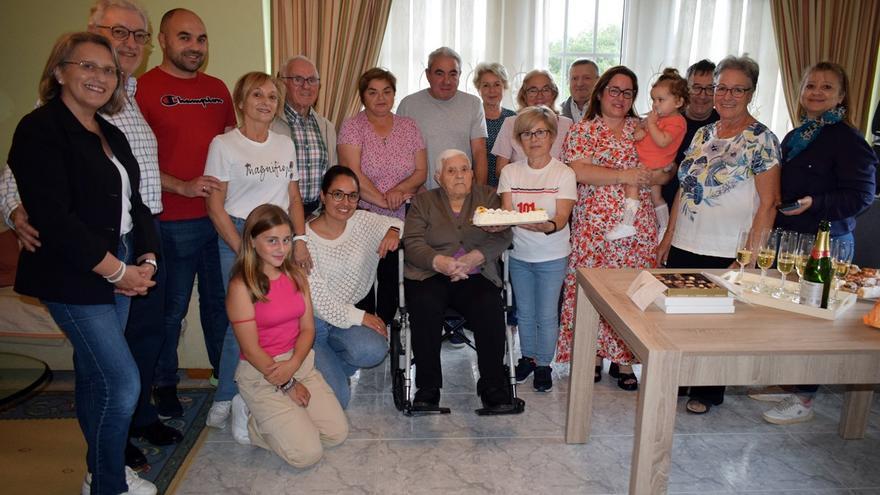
[809,130]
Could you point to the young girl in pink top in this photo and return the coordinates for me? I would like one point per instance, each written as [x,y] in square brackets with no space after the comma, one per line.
[284,404]
[657,143]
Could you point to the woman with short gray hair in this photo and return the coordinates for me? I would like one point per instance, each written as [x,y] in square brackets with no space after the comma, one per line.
[729,184]
[538,89]
[491,81]
[451,263]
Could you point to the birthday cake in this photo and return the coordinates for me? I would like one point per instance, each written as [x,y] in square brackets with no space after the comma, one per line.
[484,217]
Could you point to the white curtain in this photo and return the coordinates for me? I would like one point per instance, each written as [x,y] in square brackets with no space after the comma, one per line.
[511,32]
[657,34]
[677,33]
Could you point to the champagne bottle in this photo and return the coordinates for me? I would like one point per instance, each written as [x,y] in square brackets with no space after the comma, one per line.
[818,271]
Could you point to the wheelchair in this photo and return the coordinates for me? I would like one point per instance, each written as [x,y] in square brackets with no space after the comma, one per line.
[401,354]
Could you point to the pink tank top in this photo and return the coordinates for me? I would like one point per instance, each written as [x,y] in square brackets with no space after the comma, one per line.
[278,319]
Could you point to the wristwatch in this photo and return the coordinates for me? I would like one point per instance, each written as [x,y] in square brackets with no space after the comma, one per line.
[153,263]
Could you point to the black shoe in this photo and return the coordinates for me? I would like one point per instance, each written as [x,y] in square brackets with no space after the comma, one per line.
[427,397]
[524,367]
[496,398]
[167,404]
[158,433]
[543,380]
[134,458]
[628,381]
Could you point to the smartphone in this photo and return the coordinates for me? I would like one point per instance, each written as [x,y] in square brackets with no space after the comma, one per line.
[789,206]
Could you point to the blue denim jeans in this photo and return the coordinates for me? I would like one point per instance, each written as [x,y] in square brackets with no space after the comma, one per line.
[106,381]
[339,352]
[190,248]
[229,357]
[537,287]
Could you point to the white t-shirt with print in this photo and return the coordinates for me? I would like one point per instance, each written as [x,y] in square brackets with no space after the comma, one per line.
[532,189]
[255,173]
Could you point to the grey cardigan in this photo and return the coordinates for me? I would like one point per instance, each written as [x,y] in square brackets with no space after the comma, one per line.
[432,229]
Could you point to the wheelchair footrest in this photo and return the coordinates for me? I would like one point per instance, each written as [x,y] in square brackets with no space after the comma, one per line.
[421,410]
[516,407]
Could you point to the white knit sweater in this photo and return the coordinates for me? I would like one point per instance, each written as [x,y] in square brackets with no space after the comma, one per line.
[345,267]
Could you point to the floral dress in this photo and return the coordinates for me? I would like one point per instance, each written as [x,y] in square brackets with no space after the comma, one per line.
[598,210]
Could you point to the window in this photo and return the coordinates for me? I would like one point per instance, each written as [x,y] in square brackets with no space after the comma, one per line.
[594,30]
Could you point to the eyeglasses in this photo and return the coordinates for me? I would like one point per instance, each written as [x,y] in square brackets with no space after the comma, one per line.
[301,81]
[538,133]
[614,92]
[696,90]
[533,91]
[338,196]
[94,69]
[122,33]
[737,92]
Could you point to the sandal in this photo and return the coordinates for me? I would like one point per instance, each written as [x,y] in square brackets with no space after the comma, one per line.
[628,381]
[698,406]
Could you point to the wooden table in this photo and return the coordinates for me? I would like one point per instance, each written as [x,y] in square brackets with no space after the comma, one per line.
[754,346]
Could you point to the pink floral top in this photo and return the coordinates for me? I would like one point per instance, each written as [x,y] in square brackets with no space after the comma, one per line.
[385,161]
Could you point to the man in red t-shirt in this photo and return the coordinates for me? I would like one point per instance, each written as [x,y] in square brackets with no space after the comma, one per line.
[186,109]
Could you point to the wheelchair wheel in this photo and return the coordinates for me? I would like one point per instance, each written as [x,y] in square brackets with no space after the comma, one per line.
[394,357]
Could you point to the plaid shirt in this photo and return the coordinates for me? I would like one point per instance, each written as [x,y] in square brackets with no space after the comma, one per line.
[312,159]
[143,146]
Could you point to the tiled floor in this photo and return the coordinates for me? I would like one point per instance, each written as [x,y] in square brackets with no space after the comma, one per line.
[730,450]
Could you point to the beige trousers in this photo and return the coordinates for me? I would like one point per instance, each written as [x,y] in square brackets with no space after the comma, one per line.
[297,434]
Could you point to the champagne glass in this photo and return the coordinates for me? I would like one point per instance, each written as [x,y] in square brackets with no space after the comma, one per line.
[841,257]
[743,253]
[766,256]
[804,249]
[785,260]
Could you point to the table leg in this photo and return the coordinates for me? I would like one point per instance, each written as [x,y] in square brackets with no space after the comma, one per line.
[655,422]
[583,361]
[855,412]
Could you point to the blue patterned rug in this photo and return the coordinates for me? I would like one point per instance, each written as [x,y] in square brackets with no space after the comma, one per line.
[163,461]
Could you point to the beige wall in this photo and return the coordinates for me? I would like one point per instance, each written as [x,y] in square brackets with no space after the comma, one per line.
[28,28]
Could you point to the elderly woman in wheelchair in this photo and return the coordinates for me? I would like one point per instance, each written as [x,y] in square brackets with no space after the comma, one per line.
[451,264]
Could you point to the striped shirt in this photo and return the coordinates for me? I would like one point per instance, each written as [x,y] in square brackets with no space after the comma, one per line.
[143,146]
[312,158]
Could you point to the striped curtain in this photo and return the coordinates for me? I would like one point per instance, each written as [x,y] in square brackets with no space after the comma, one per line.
[841,31]
[342,37]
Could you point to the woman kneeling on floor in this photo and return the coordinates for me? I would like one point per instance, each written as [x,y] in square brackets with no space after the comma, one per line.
[284,403]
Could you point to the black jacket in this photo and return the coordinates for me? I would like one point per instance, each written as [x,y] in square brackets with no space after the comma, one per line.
[71,191]
[837,171]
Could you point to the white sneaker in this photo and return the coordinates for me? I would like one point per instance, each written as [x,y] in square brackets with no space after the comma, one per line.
[240,420]
[790,411]
[136,484]
[218,414]
[620,231]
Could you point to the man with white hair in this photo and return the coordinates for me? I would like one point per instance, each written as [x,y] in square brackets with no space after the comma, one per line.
[447,117]
[313,135]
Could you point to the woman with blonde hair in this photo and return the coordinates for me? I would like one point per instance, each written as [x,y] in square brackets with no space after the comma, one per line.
[285,402]
[254,166]
[491,81]
[79,179]
[540,251]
